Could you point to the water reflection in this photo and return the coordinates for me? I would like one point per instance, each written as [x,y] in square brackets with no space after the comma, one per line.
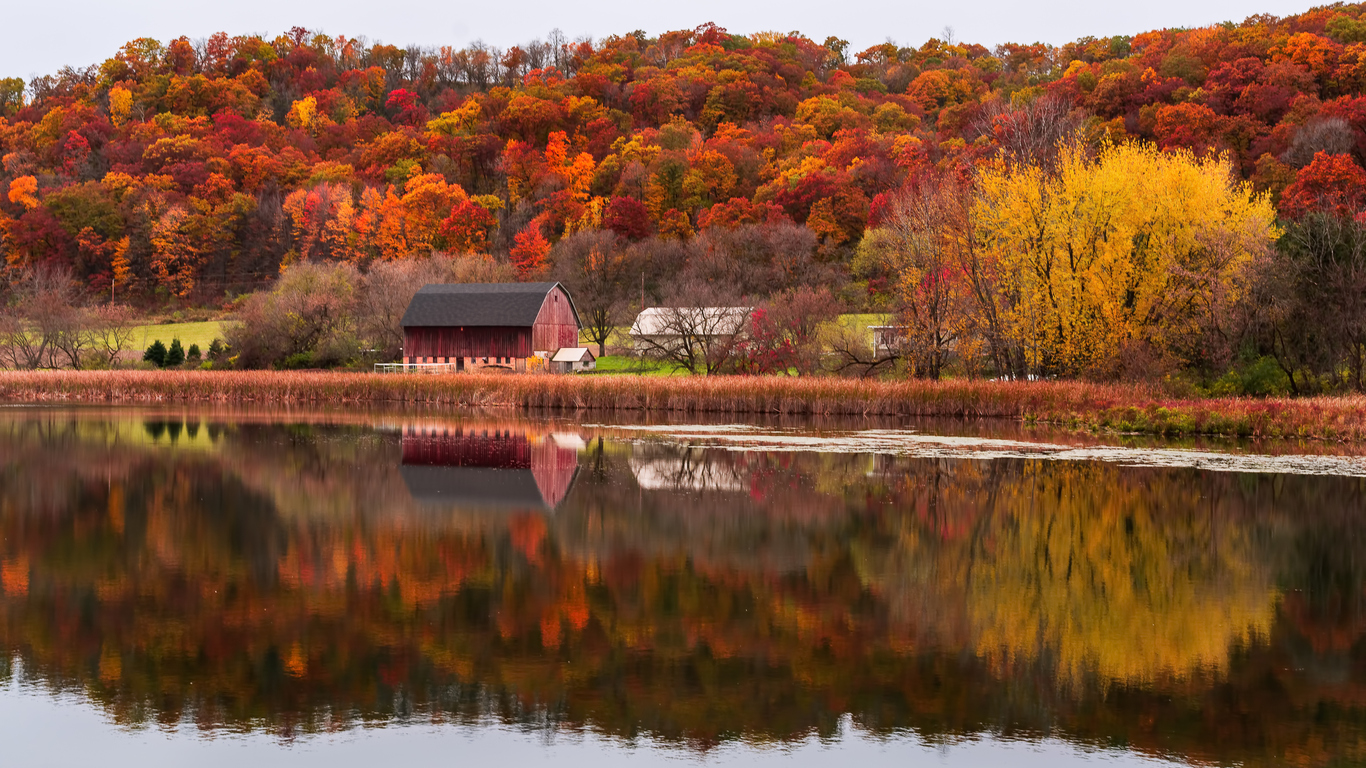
[301,577]
[502,469]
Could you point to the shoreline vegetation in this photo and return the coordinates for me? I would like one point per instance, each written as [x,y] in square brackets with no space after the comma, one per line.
[1081,406]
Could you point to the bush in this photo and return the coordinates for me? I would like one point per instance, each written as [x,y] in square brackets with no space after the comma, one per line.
[297,361]
[1261,377]
[175,355]
[311,309]
[192,354]
[156,354]
[217,350]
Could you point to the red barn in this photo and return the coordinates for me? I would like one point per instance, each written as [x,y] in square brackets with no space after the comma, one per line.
[493,325]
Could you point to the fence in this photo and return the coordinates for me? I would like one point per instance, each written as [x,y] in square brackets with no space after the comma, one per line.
[415,368]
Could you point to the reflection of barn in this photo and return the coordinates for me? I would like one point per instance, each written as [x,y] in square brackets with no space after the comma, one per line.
[496,468]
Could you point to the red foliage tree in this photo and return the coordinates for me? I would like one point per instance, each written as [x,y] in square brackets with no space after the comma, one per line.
[406,108]
[739,210]
[530,249]
[1331,184]
[628,217]
[467,229]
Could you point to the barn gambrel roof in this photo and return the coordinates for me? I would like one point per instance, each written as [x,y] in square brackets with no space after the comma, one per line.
[479,304]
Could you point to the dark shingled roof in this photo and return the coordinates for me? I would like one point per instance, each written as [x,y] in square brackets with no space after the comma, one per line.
[476,304]
[474,487]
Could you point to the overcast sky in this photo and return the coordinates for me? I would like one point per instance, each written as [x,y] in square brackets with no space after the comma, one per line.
[43,37]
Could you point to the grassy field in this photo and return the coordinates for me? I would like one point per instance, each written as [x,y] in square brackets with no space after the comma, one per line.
[631,364]
[202,334]
[862,322]
[1070,404]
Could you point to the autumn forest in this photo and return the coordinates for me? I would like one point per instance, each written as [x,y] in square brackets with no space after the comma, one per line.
[1176,203]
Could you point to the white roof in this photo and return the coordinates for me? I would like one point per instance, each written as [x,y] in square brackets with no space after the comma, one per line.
[663,321]
[673,475]
[572,355]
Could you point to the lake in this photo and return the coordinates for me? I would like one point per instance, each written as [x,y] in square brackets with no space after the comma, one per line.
[345,587]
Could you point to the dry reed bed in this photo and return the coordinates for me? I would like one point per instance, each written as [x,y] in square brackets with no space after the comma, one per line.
[1076,405]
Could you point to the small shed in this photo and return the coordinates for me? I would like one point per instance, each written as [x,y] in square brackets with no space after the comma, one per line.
[573,360]
[471,326]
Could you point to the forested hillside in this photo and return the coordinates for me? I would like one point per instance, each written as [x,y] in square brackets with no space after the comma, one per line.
[187,171]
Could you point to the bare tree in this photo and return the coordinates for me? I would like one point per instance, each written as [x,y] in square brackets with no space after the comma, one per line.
[43,327]
[598,270]
[110,328]
[692,332]
[385,296]
[390,286]
[1322,134]
[1313,312]
[852,352]
[758,259]
[946,294]
[1032,132]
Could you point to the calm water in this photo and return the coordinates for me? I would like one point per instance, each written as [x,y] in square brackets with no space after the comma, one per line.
[238,587]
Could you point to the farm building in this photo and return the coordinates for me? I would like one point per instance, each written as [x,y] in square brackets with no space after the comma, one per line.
[573,360]
[672,327]
[888,339]
[475,326]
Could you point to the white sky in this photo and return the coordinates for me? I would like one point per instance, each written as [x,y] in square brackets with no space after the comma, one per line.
[44,36]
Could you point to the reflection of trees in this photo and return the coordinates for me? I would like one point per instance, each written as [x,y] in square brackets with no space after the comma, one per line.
[911,593]
[1089,568]
[1107,574]
[686,469]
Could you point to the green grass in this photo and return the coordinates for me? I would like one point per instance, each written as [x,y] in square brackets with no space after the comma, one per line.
[620,337]
[635,365]
[863,321]
[202,334]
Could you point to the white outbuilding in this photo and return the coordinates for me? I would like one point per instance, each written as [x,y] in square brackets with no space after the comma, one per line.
[573,360]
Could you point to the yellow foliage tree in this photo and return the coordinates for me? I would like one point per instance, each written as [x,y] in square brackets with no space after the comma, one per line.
[1135,249]
[120,104]
[303,113]
[457,121]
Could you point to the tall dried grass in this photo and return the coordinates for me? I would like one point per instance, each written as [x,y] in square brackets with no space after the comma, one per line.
[1076,405]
